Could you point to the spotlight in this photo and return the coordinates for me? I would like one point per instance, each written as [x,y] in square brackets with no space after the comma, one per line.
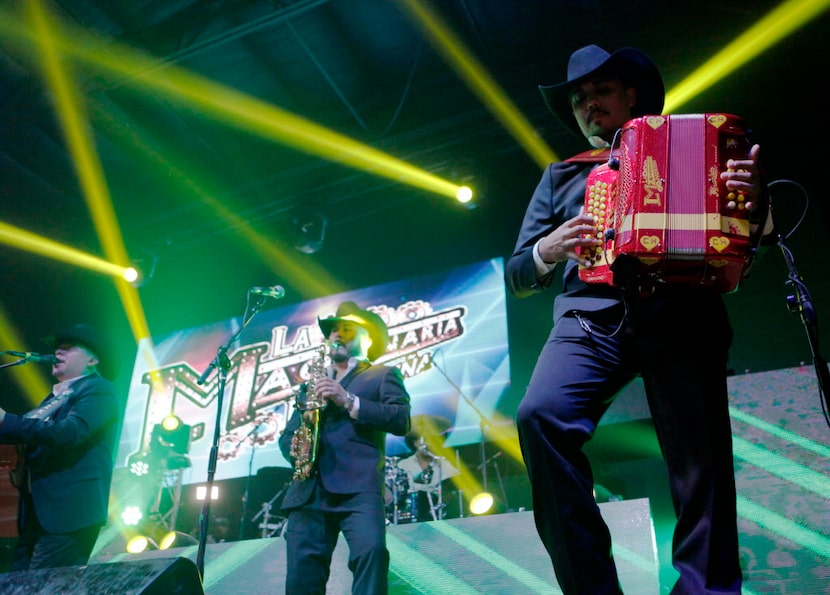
[140,466]
[141,543]
[464,194]
[153,535]
[201,492]
[131,275]
[138,544]
[131,515]
[482,503]
[471,186]
[171,434]
[174,539]
[141,271]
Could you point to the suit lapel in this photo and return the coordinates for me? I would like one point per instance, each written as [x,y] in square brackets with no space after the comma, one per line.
[354,372]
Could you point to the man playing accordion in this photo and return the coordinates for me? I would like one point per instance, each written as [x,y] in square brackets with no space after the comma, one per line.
[675,335]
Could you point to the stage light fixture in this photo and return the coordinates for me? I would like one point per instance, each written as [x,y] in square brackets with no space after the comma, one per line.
[131,515]
[155,535]
[464,194]
[173,539]
[131,275]
[139,543]
[172,435]
[141,271]
[482,503]
[471,186]
[201,491]
[140,467]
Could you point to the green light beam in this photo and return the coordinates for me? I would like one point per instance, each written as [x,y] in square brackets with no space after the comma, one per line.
[786,528]
[509,567]
[778,432]
[421,572]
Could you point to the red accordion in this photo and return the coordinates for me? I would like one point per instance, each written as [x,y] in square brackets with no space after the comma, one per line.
[664,215]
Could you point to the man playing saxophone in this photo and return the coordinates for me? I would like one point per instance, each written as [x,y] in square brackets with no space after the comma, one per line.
[339,488]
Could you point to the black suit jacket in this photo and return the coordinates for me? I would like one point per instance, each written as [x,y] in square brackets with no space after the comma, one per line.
[70,456]
[352,453]
[558,198]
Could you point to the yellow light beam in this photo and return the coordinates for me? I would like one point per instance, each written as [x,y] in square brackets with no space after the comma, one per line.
[502,433]
[306,274]
[780,22]
[466,482]
[127,63]
[431,435]
[479,81]
[87,165]
[26,240]
[256,116]
[240,110]
[30,380]
[230,104]
[312,278]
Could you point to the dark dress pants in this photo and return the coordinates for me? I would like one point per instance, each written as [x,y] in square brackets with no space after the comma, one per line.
[38,549]
[312,533]
[680,346]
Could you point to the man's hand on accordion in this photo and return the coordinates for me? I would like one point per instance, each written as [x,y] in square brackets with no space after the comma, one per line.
[561,244]
[743,175]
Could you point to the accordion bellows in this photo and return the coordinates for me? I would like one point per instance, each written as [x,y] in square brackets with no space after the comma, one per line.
[664,215]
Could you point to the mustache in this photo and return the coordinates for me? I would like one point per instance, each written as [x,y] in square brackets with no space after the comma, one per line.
[593,112]
[338,348]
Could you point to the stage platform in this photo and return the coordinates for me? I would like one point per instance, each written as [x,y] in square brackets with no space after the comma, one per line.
[492,555]
[782,466]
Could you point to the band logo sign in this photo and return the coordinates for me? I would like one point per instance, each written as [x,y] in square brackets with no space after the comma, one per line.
[262,378]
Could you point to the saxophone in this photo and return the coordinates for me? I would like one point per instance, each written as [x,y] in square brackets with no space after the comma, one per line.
[305,438]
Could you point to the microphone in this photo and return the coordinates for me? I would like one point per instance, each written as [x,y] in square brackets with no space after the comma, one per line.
[276,292]
[34,357]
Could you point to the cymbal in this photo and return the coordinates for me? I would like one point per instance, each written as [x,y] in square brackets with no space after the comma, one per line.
[426,426]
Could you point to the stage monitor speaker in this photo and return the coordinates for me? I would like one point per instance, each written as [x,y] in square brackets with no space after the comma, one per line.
[159,576]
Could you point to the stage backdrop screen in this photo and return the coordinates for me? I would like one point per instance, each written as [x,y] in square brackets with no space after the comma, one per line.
[448,335]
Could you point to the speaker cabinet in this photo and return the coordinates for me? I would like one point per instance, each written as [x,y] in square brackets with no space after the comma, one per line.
[160,576]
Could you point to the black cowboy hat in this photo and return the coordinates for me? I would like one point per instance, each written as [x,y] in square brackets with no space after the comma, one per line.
[373,323]
[91,339]
[630,64]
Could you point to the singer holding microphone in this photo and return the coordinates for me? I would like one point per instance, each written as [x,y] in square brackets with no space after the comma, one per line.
[66,448]
[340,489]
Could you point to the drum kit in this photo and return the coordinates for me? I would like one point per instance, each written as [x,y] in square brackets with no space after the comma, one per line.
[414,483]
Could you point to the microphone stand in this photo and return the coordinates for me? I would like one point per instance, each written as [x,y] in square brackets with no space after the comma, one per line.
[801,302]
[484,423]
[246,495]
[266,515]
[24,359]
[221,363]
[10,364]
